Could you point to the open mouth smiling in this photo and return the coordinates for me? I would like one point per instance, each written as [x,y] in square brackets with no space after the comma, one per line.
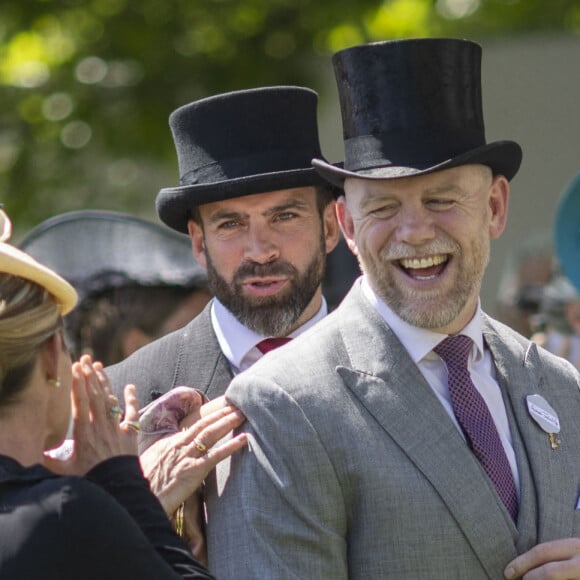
[426,268]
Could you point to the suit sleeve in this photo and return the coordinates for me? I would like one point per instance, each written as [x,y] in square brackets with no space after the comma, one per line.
[281,511]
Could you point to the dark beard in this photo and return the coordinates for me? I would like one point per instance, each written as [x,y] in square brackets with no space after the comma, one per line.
[269,315]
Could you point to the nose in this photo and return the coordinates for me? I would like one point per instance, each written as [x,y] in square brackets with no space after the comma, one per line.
[415,226]
[261,246]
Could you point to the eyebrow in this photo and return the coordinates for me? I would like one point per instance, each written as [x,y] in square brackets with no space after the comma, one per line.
[382,195]
[373,198]
[446,188]
[228,215]
[293,204]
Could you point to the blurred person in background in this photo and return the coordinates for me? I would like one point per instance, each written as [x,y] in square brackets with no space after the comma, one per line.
[136,280]
[527,270]
[559,316]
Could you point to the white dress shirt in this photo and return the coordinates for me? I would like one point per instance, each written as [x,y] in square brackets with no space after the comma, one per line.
[420,343]
[238,343]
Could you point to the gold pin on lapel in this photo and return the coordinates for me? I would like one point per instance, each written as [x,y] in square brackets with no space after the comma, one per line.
[554,441]
[545,417]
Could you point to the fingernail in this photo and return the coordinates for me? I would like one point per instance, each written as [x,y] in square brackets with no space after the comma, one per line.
[510,572]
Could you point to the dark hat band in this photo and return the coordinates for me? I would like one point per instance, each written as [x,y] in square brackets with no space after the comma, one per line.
[233,168]
[425,149]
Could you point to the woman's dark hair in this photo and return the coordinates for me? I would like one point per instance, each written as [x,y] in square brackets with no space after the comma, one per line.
[99,323]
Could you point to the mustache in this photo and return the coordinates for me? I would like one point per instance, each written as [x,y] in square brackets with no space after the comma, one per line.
[254,270]
[400,251]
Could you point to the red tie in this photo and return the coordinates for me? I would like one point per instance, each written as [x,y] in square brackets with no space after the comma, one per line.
[269,344]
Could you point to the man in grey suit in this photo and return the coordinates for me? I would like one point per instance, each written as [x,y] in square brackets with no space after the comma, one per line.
[408,435]
[261,221]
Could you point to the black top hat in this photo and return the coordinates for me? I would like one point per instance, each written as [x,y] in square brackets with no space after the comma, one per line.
[411,107]
[98,250]
[241,143]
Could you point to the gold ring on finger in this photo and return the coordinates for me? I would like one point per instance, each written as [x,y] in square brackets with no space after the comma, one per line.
[116,412]
[134,425]
[200,446]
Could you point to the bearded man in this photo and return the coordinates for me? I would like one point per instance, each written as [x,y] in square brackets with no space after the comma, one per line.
[261,221]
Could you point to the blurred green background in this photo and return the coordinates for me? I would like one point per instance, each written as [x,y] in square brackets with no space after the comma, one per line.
[87,86]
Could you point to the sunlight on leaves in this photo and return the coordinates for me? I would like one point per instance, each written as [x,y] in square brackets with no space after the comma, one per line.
[76,134]
[344,36]
[400,19]
[456,9]
[29,55]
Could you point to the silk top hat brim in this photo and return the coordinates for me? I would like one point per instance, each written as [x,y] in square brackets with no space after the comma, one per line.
[241,143]
[567,231]
[411,107]
[18,263]
[503,157]
[97,250]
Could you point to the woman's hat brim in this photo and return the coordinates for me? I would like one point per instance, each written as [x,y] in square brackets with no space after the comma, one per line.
[173,204]
[18,263]
[503,157]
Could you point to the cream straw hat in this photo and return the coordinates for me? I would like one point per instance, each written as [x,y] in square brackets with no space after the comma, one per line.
[16,262]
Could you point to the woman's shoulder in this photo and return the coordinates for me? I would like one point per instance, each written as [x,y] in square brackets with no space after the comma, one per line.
[54,517]
[36,485]
[56,493]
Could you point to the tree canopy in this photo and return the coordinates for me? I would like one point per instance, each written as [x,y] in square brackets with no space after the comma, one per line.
[87,85]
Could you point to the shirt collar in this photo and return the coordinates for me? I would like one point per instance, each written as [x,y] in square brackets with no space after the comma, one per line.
[236,340]
[419,342]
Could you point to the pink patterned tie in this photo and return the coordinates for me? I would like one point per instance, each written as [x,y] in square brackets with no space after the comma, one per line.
[269,344]
[476,420]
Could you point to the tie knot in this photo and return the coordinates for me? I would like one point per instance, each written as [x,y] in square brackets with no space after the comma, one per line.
[269,344]
[454,350]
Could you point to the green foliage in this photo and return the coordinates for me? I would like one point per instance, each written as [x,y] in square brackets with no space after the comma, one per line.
[87,85]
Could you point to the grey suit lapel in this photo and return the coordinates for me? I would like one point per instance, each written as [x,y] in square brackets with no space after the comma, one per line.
[387,382]
[201,360]
[518,365]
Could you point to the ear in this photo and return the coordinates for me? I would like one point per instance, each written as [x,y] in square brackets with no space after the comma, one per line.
[50,354]
[346,223]
[197,242]
[330,225]
[498,204]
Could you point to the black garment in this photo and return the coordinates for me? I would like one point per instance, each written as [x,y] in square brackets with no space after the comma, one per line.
[106,526]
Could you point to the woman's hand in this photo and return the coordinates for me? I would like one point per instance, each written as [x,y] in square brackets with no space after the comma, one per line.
[176,465]
[97,431]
